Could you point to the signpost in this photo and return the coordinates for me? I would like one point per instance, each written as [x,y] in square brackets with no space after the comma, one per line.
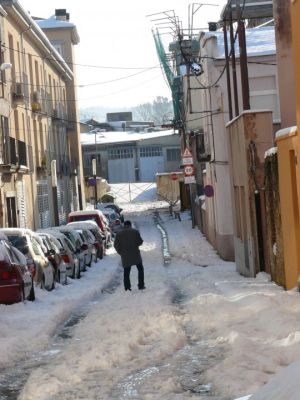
[188,167]
[189,175]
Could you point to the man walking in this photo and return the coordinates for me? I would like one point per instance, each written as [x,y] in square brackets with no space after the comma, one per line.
[127,244]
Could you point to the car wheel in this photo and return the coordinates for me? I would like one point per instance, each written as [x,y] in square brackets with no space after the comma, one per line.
[53,284]
[31,296]
[43,282]
[73,272]
[101,254]
[22,292]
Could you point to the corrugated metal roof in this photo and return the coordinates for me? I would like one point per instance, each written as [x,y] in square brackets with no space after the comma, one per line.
[250,9]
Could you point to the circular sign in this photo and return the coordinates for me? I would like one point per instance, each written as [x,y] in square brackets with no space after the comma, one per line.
[92,181]
[209,191]
[188,170]
[174,176]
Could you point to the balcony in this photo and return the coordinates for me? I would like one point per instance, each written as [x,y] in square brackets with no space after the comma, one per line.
[8,157]
[36,102]
[18,94]
[41,161]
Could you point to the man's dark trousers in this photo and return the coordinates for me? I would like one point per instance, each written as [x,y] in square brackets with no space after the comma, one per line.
[127,284]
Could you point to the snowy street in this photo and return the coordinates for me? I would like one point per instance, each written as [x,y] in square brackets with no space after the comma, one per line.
[199,330]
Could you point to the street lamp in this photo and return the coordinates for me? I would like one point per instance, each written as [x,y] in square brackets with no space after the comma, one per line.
[4,66]
[94,173]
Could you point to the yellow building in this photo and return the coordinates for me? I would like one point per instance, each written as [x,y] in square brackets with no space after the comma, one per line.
[38,163]
[288,143]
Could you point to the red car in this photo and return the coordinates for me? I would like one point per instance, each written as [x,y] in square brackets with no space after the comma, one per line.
[16,274]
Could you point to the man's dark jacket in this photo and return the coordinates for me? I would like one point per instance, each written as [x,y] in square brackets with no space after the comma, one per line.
[127,244]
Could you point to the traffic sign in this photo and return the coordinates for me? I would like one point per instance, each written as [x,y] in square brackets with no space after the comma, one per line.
[187,157]
[188,170]
[187,153]
[209,191]
[189,179]
[92,181]
[174,176]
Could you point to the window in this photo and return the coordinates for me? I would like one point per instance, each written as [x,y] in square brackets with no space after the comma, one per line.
[173,154]
[115,154]
[151,151]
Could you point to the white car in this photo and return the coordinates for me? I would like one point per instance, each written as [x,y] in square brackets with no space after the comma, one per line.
[68,252]
[53,253]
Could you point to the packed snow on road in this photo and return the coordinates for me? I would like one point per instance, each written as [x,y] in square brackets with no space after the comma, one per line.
[199,330]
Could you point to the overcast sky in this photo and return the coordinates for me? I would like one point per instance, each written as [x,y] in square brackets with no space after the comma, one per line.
[117,35]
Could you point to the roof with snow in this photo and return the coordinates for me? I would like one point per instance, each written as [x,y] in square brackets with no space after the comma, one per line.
[121,137]
[260,42]
[54,23]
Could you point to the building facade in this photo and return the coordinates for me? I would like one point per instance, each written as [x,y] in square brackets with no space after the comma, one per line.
[36,161]
[130,157]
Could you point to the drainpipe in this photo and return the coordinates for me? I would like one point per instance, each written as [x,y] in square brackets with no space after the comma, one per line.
[35,223]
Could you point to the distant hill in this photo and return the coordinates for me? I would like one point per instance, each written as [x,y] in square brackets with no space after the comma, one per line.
[98,113]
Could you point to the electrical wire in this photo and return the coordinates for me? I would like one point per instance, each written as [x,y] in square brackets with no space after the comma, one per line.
[68,62]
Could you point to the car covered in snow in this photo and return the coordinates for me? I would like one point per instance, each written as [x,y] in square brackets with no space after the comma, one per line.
[93,227]
[16,274]
[28,243]
[52,251]
[68,252]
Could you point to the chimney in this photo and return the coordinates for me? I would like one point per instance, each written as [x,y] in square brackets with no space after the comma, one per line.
[212,26]
[61,14]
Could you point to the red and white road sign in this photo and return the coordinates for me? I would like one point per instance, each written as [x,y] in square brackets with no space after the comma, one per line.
[187,157]
[188,170]
[187,153]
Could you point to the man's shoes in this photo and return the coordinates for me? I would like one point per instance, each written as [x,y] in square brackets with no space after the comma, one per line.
[128,288]
[142,287]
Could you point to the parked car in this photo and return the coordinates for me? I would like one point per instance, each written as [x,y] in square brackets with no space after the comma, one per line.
[112,206]
[54,255]
[95,231]
[78,243]
[93,215]
[16,274]
[89,239]
[68,252]
[115,223]
[27,242]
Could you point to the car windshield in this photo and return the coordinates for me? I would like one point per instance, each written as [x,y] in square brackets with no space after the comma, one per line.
[20,242]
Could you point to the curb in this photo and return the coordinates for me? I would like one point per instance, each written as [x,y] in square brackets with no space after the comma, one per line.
[165,244]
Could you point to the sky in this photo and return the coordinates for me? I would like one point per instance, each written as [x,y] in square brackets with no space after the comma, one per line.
[198,327]
[116,41]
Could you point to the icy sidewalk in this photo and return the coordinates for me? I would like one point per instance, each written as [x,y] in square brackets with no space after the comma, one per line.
[254,322]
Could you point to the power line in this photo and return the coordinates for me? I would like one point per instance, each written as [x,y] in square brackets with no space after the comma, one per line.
[71,63]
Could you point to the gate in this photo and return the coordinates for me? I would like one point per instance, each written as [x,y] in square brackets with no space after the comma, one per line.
[133,192]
